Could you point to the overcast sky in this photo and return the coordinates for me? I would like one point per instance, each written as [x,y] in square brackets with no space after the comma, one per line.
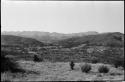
[62,16]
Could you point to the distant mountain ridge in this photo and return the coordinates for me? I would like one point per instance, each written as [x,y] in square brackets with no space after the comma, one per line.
[46,36]
[71,40]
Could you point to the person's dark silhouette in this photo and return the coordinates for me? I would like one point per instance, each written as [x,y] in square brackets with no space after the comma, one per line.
[72,65]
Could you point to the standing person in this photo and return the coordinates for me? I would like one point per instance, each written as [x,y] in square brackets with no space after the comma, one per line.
[72,65]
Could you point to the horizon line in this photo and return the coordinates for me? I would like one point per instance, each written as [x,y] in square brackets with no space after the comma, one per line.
[63,33]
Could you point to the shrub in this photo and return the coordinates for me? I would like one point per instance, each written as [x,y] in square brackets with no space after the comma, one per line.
[9,65]
[37,59]
[72,65]
[118,63]
[103,69]
[94,60]
[86,68]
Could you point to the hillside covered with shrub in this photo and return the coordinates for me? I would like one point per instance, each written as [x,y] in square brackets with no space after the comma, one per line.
[115,39]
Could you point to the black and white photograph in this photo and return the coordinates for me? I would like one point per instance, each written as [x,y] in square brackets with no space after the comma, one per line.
[62,40]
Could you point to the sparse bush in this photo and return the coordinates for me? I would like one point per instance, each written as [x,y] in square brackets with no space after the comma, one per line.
[86,68]
[72,65]
[103,69]
[37,59]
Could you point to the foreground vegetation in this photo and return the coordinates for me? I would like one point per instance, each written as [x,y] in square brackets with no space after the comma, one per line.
[61,71]
[56,66]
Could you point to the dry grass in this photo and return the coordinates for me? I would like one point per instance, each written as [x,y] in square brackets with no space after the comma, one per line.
[60,71]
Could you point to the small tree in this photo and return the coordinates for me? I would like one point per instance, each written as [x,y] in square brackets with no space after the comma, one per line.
[72,65]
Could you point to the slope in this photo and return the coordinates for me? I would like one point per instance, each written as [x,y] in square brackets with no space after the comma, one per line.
[19,41]
[115,39]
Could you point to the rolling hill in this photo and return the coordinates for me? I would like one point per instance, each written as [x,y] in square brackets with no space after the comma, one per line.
[46,36]
[19,41]
[114,39]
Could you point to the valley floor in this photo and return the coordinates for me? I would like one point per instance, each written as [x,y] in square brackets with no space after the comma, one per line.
[60,71]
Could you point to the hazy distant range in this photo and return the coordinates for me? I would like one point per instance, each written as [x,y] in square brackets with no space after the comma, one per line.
[47,36]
